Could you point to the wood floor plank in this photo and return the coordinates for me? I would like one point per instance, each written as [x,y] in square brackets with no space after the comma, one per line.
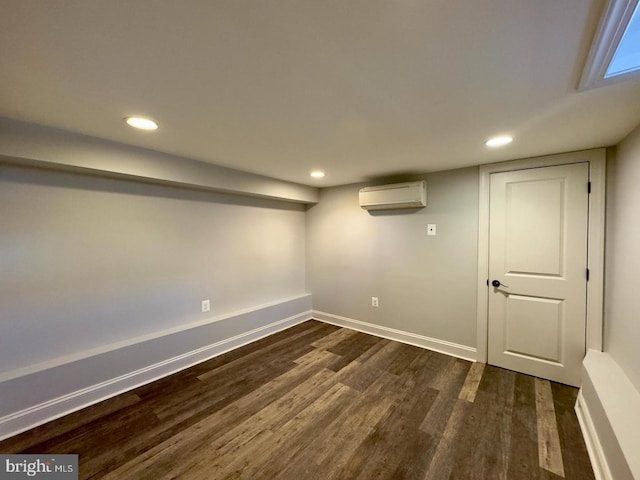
[574,451]
[483,447]
[359,376]
[220,415]
[413,462]
[381,455]
[390,357]
[229,383]
[317,357]
[417,370]
[523,456]
[367,354]
[105,436]
[471,383]
[284,350]
[210,403]
[398,359]
[184,443]
[405,459]
[439,416]
[216,393]
[549,453]
[351,348]
[356,341]
[219,456]
[333,447]
[404,359]
[504,395]
[310,330]
[384,357]
[448,387]
[380,452]
[443,456]
[333,338]
[272,426]
[321,402]
[436,368]
[301,335]
[422,394]
[298,434]
[61,426]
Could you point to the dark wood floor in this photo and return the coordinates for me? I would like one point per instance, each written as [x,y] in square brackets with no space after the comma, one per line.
[321,402]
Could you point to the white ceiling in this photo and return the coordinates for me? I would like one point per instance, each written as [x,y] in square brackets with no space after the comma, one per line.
[359,88]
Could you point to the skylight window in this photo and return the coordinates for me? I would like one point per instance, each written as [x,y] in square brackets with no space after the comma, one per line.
[627,56]
[615,53]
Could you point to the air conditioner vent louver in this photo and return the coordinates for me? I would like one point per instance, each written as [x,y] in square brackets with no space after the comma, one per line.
[395,196]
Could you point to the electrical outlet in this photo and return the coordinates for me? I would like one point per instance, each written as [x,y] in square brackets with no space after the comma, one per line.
[374,302]
[431,230]
[206,306]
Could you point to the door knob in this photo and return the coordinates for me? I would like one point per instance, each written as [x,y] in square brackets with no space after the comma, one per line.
[496,283]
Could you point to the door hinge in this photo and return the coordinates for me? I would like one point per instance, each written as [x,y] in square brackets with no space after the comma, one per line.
[587,274]
[588,187]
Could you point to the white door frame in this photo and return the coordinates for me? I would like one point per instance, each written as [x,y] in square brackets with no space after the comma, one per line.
[595,286]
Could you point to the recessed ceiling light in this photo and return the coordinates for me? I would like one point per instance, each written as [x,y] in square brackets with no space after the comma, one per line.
[317,174]
[141,123]
[499,141]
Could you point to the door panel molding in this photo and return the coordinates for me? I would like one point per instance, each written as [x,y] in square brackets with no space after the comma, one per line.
[595,286]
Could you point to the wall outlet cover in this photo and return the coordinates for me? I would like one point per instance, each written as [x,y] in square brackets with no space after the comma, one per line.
[206,306]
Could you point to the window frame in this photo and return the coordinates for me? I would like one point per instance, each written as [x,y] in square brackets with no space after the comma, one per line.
[613,24]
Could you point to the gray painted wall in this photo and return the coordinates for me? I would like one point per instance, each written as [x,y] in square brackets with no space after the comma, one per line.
[89,261]
[426,285]
[622,302]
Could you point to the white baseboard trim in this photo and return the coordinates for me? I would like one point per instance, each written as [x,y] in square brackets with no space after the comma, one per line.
[75,399]
[442,346]
[596,454]
[608,409]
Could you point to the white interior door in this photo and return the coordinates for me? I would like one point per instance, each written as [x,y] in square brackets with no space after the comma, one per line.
[538,254]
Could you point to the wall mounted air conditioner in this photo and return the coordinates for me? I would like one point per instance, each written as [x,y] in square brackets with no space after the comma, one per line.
[397,195]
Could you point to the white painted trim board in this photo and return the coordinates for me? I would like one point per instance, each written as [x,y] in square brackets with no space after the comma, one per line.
[594,447]
[442,346]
